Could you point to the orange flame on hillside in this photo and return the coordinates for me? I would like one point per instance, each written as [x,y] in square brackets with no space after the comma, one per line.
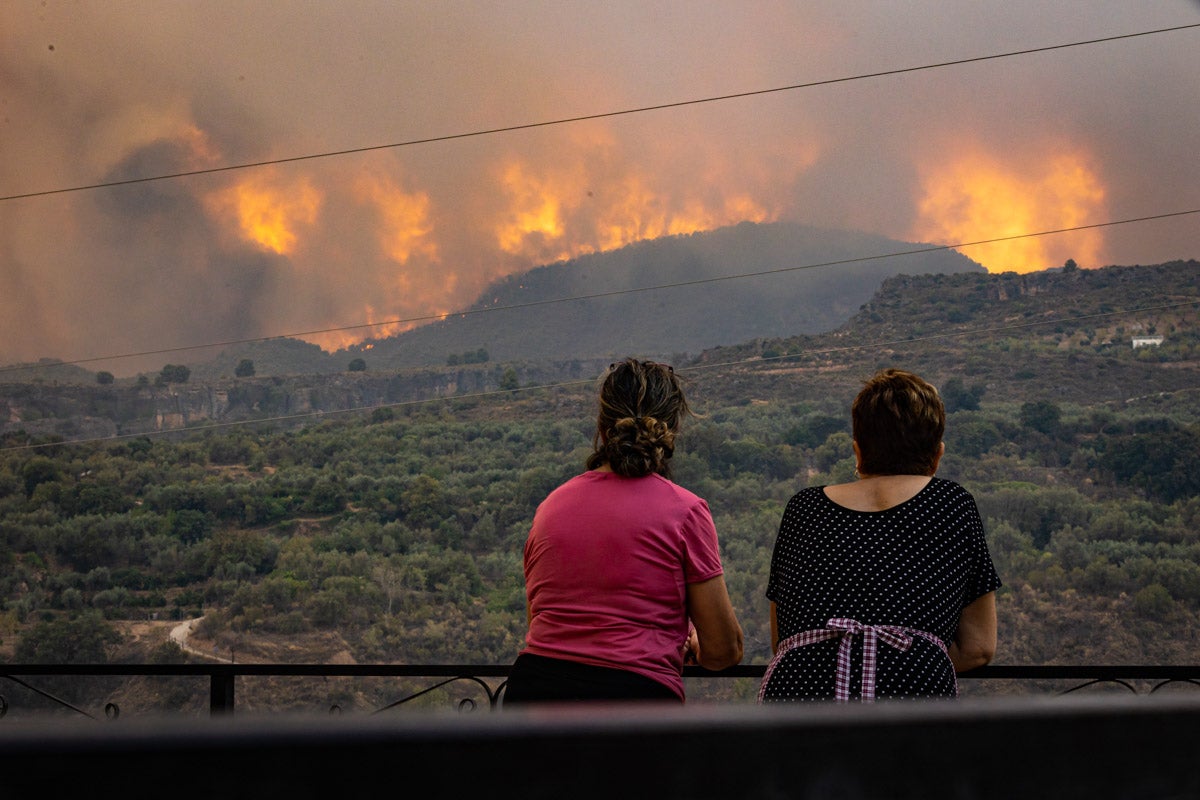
[269,214]
[414,270]
[637,213]
[407,231]
[377,326]
[977,197]
[536,221]
[557,214]
[405,236]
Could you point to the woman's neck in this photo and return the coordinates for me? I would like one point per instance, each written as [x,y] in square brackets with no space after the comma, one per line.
[877,492]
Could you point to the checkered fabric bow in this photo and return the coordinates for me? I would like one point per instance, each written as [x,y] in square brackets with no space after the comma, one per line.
[893,635]
[845,629]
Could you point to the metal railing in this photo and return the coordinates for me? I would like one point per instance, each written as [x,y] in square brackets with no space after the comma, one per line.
[490,678]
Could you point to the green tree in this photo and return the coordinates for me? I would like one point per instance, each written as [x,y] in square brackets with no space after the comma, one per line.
[1164,463]
[972,436]
[357,365]
[104,378]
[174,373]
[426,501]
[814,429]
[836,447]
[189,525]
[245,369]
[1042,416]
[509,381]
[957,397]
[326,496]
[82,639]
[1153,601]
[383,414]
[479,356]
[36,471]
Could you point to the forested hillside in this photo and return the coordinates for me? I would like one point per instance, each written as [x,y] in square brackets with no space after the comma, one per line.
[395,534]
[697,306]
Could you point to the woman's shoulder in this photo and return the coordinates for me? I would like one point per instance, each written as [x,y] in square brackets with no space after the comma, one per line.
[948,495]
[807,495]
[658,483]
[810,491]
[584,483]
[948,487]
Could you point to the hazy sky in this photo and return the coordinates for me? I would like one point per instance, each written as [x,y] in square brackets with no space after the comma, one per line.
[94,92]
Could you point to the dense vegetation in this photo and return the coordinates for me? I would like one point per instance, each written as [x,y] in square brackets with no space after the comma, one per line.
[396,535]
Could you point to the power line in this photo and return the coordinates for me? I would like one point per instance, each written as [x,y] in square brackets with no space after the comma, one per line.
[598,295]
[757,360]
[595,116]
[465,312]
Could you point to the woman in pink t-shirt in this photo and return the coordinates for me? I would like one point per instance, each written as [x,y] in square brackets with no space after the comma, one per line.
[623,575]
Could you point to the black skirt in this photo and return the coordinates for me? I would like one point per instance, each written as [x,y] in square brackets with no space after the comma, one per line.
[538,679]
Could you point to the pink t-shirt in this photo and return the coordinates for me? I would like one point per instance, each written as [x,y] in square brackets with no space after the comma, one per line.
[607,564]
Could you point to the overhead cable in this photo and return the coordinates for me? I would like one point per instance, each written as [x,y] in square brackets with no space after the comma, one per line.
[595,116]
[597,295]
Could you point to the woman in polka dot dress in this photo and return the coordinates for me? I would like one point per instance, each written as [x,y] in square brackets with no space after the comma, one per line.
[884,587]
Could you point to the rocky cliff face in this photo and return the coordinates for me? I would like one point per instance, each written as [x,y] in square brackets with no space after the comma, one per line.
[75,412]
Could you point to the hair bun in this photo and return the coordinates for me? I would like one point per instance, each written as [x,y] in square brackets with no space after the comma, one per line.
[641,406]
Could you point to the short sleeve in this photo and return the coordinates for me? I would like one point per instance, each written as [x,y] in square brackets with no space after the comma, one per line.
[702,552]
[984,577]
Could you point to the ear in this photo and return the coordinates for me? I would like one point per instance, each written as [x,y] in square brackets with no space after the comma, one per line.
[941,451]
[857,454]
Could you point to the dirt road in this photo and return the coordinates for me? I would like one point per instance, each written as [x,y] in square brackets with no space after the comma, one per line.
[179,635]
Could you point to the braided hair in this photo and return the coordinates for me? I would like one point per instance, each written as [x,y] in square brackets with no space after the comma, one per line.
[641,408]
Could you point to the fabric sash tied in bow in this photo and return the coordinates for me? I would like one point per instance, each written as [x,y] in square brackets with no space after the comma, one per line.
[845,630]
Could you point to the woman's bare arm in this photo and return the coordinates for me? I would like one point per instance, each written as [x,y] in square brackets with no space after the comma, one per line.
[717,630]
[975,643]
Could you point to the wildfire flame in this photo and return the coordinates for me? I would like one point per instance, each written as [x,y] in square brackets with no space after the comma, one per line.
[377,326]
[561,213]
[977,197]
[639,213]
[539,203]
[268,213]
[591,200]
[406,228]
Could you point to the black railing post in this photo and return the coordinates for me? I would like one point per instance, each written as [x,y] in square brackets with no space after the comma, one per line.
[220,695]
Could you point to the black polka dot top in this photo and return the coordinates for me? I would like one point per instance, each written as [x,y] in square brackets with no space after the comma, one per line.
[915,565]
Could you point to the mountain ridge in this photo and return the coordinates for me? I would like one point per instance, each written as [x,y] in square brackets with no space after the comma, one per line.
[766,279]
[728,285]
